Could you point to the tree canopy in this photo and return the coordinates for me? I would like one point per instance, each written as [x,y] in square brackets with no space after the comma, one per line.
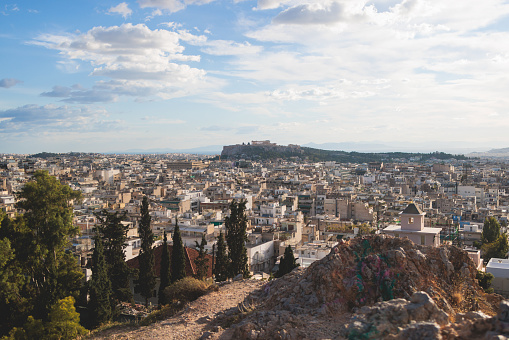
[287,262]
[221,265]
[178,257]
[114,235]
[236,238]
[491,230]
[146,278]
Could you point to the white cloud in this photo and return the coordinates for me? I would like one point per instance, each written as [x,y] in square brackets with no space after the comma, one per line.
[171,5]
[34,118]
[145,61]
[228,47]
[122,9]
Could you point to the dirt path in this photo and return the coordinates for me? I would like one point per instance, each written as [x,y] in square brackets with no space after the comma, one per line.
[195,321]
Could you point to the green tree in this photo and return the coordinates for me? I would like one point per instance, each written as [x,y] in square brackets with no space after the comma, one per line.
[100,302]
[201,261]
[178,257]
[48,218]
[287,262]
[491,230]
[147,278]
[236,238]
[64,321]
[164,276]
[114,235]
[12,301]
[221,265]
[497,249]
[484,280]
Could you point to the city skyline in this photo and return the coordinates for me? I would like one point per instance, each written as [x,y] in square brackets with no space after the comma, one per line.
[106,76]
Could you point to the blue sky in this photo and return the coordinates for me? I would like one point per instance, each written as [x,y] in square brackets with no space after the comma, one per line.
[98,76]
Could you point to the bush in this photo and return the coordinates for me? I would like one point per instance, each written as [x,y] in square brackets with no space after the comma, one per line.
[185,290]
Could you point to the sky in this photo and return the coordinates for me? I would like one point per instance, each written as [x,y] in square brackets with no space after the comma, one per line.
[98,76]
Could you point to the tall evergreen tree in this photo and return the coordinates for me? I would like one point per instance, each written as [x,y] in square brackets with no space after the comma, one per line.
[178,257]
[201,261]
[490,231]
[100,291]
[114,235]
[221,265]
[48,225]
[164,276]
[287,262]
[236,238]
[147,278]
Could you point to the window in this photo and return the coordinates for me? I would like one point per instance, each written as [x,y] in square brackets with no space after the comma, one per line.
[396,235]
[410,220]
[423,240]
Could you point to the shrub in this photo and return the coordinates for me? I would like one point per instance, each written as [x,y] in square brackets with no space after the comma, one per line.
[185,290]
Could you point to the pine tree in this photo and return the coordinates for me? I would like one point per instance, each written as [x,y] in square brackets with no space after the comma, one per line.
[147,279]
[47,225]
[287,262]
[114,235]
[164,276]
[178,257]
[100,287]
[64,321]
[201,261]
[236,238]
[221,265]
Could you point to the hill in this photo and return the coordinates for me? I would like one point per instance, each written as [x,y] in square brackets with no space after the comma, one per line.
[271,151]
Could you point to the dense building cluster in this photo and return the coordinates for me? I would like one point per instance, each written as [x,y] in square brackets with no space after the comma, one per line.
[308,206]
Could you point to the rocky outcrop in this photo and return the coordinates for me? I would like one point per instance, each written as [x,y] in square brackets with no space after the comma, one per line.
[392,287]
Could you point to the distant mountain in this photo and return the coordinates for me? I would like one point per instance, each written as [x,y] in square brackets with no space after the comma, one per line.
[496,153]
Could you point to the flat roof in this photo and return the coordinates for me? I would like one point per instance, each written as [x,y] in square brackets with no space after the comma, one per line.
[425,230]
[498,263]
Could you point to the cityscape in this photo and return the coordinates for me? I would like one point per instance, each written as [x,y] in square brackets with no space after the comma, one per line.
[254,169]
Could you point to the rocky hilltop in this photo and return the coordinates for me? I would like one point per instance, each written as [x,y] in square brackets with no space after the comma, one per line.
[375,287]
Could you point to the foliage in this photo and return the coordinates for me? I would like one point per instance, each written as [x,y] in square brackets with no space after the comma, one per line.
[484,280]
[63,324]
[236,238]
[164,279]
[164,313]
[201,261]
[48,218]
[114,235]
[497,249]
[287,262]
[491,230]
[100,304]
[147,278]
[221,266]
[178,257]
[64,321]
[185,290]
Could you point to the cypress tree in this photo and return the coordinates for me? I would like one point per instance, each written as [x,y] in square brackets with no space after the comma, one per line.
[164,279]
[201,261]
[236,238]
[114,235]
[100,287]
[287,262]
[178,257]
[221,266]
[147,278]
